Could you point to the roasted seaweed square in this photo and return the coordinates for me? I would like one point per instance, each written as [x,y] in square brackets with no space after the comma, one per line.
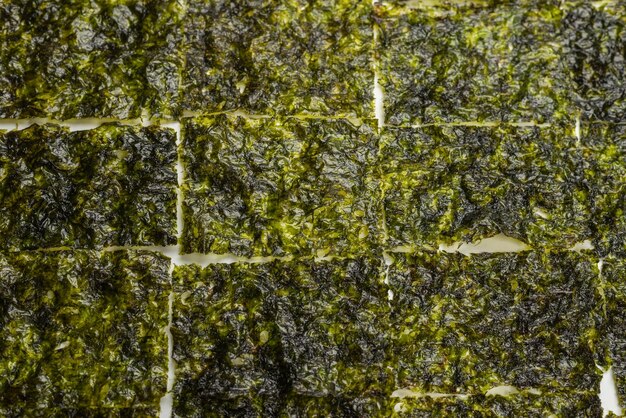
[81,330]
[90,58]
[520,404]
[334,317]
[603,158]
[285,57]
[113,185]
[450,183]
[594,38]
[280,336]
[469,324]
[227,343]
[258,187]
[472,61]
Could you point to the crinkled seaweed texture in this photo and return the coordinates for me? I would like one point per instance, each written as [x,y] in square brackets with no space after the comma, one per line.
[285,57]
[297,337]
[317,338]
[113,185]
[473,61]
[468,324]
[523,404]
[279,186]
[602,157]
[83,331]
[514,61]
[271,186]
[593,38]
[90,58]
[449,183]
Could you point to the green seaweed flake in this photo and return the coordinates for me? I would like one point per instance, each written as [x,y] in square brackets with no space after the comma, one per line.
[295,337]
[90,58]
[113,185]
[258,187]
[82,332]
[450,183]
[465,325]
[285,57]
[473,61]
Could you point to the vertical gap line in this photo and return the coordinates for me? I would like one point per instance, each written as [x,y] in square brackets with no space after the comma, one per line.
[167,401]
[379,112]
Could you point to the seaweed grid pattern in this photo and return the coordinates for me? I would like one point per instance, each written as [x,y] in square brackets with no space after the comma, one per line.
[596,71]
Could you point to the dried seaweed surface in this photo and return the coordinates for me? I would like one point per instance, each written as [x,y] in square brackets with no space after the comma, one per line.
[264,338]
[279,186]
[512,61]
[90,58]
[502,117]
[285,57]
[603,160]
[532,405]
[449,183]
[82,333]
[113,185]
[473,61]
[468,324]
[309,338]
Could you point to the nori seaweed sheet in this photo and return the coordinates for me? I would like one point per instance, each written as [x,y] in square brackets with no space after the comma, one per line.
[90,58]
[287,57]
[83,331]
[298,336]
[468,324]
[523,404]
[450,183]
[603,161]
[473,61]
[593,38]
[113,185]
[279,186]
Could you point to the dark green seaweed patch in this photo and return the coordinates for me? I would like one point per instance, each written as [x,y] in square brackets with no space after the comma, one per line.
[460,61]
[80,58]
[593,38]
[468,324]
[449,183]
[81,330]
[508,61]
[602,157]
[288,57]
[113,185]
[280,336]
[275,187]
